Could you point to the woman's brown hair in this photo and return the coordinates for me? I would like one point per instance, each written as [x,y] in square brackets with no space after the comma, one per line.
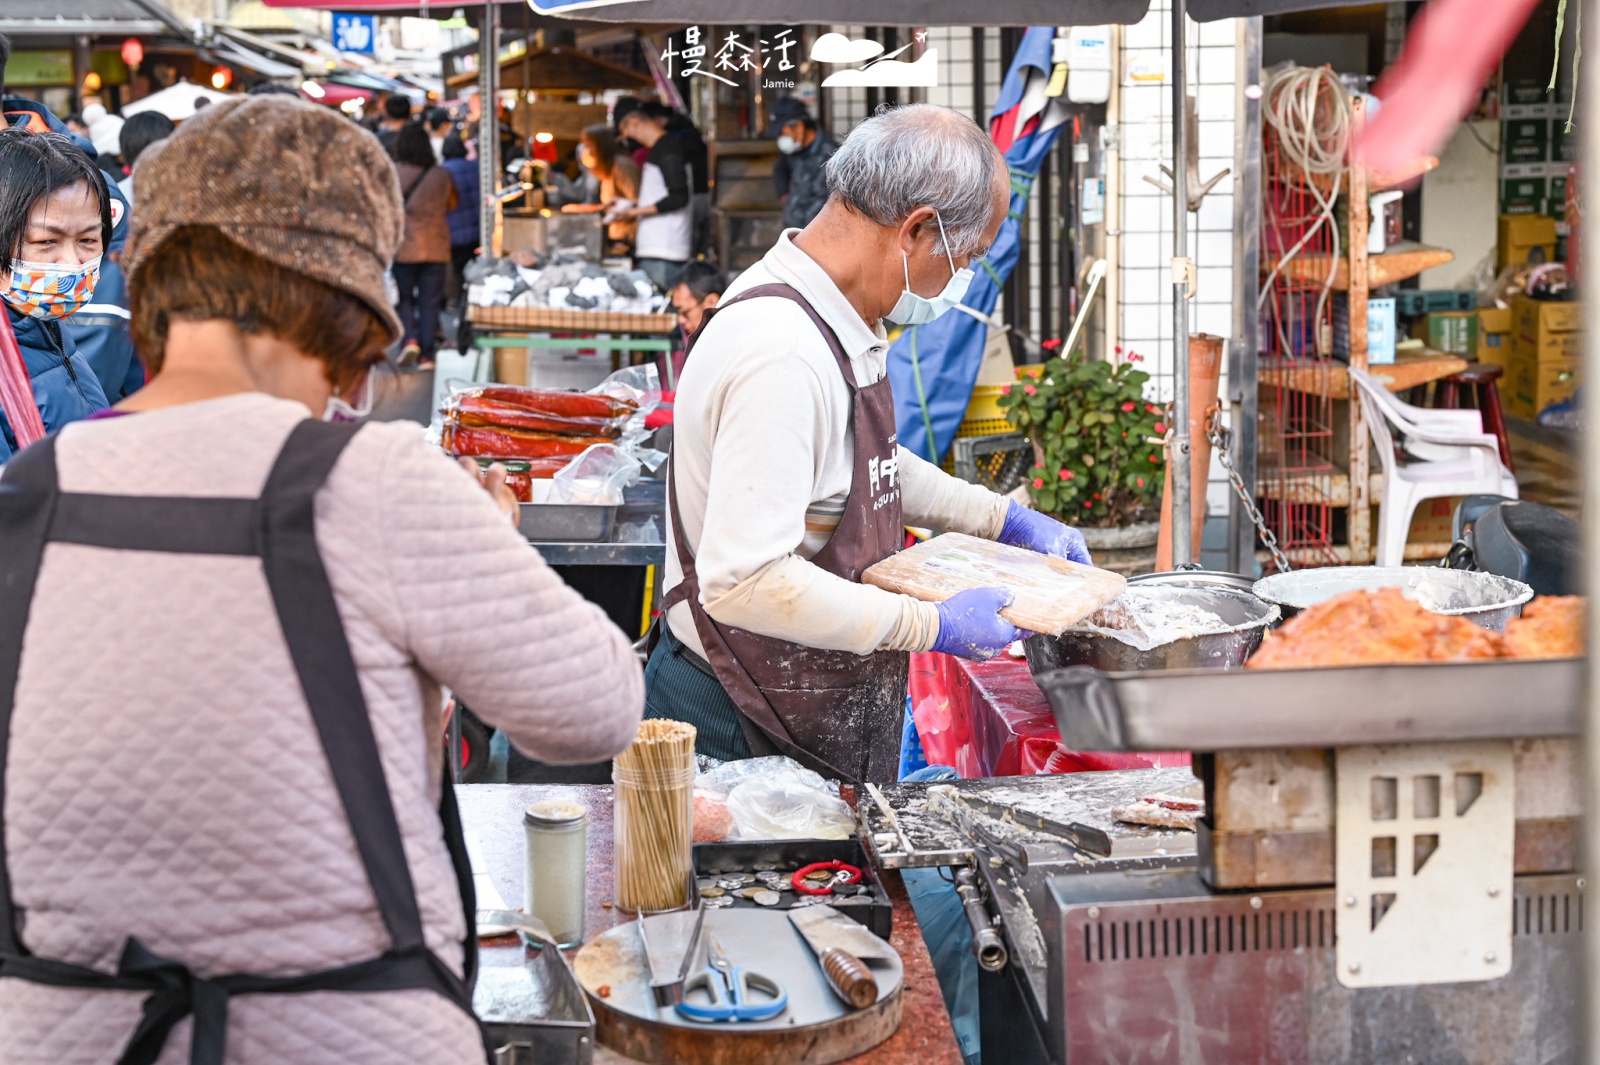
[197,273]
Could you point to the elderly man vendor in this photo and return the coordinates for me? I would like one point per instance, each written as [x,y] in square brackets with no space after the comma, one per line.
[787,481]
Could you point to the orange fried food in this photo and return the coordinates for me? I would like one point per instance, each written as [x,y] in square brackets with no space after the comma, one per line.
[1550,627]
[1365,628]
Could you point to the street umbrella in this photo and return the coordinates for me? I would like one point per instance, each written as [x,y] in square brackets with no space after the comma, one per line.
[177,102]
[933,367]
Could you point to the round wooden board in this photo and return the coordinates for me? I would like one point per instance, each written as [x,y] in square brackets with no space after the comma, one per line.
[816,1029]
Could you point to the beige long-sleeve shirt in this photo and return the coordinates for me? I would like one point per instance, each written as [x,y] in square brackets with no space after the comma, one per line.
[165,779]
[763,456]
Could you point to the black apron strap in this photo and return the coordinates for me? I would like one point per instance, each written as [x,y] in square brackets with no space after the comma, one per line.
[455,841]
[28,495]
[281,529]
[321,654]
[185,525]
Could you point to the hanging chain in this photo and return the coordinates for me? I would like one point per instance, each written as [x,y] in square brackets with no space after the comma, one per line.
[1221,440]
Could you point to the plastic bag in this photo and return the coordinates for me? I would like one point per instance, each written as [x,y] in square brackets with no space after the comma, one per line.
[597,476]
[636,532]
[639,385]
[777,798]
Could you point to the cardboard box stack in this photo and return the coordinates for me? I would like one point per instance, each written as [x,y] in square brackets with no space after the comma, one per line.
[1546,347]
[1493,344]
[1535,151]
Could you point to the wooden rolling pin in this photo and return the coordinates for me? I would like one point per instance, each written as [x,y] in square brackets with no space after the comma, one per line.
[849,977]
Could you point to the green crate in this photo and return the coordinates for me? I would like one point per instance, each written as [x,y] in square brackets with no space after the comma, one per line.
[1526,140]
[1525,92]
[1558,196]
[1564,146]
[1524,195]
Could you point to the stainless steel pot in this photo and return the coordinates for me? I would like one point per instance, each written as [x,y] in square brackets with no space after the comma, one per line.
[1246,616]
[1485,599]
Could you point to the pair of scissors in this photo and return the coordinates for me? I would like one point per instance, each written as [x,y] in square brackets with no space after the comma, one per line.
[727,988]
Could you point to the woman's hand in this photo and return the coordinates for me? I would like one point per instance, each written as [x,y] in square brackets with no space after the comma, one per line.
[493,480]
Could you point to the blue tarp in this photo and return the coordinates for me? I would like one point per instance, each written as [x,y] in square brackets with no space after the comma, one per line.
[933,367]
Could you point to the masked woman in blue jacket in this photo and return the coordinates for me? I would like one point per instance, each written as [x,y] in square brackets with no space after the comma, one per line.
[55,224]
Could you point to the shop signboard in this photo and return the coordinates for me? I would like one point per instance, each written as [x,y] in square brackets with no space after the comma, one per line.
[40,68]
[355,33]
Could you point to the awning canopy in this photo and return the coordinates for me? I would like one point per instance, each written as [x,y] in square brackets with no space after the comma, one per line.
[332,93]
[234,56]
[852,12]
[133,18]
[561,68]
[906,12]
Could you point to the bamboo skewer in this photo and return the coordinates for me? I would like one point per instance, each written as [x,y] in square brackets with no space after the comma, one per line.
[654,780]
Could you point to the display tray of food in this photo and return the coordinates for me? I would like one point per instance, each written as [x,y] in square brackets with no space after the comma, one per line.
[574,320]
[1363,667]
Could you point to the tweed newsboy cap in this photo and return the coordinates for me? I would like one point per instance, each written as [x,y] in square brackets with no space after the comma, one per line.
[297,184]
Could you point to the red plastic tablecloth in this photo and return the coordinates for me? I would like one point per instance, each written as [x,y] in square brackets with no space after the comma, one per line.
[989,719]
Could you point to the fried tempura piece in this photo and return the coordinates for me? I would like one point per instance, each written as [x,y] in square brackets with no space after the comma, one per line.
[1550,627]
[1366,628]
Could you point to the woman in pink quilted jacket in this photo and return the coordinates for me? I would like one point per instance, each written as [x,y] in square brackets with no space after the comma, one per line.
[227,617]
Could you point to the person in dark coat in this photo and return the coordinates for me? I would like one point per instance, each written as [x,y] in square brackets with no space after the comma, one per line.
[798,175]
[55,224]
[463,217]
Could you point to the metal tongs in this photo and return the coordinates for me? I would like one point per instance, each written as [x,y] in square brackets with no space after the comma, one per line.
[667,978]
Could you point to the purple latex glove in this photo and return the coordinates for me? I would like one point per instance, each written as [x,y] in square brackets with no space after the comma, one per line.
[1042,533]
[970,625]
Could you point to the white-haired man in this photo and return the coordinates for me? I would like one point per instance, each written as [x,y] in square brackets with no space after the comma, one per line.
[787,480]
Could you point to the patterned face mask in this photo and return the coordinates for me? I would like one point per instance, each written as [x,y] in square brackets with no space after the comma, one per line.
[51,290]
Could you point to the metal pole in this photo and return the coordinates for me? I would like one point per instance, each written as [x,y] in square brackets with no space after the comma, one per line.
[488,123]
[1182,549]
[1242,367]
[1589,174]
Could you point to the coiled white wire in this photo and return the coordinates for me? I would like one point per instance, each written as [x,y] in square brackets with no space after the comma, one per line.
[1315,140]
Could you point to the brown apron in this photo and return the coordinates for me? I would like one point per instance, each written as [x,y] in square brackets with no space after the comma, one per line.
[837,712]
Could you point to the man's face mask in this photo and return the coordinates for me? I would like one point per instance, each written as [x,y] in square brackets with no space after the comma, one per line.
[912,309]
[51,291]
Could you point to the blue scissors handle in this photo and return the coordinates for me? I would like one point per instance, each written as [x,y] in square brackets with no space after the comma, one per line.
[729,997]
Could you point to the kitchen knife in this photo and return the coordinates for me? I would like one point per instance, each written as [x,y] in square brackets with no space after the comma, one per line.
[840,943]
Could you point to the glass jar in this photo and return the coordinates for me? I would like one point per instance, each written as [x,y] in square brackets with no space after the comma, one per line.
[557,835]
[519,476]
[654,833]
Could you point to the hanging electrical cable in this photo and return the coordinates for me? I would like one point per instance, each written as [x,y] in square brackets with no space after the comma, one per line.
[1308,110]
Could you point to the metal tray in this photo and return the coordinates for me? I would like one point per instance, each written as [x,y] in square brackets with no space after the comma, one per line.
[790,854]
[565,522]
[1214,710]
[536,1013]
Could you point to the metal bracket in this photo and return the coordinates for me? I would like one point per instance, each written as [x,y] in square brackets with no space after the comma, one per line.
[1423,863]
[1183,273]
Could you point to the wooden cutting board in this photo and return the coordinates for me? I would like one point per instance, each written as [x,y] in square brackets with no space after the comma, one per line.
[1052,594]
[815,1029]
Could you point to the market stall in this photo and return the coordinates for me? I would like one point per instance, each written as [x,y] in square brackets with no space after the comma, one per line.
[493,814]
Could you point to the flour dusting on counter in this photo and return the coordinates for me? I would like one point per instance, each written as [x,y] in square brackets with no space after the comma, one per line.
[1148,619]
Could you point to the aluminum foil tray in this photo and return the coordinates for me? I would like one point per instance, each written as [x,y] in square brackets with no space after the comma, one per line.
[565,522]
[1215,710]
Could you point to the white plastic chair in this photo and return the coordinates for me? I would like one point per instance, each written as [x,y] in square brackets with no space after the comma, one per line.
[1448,454]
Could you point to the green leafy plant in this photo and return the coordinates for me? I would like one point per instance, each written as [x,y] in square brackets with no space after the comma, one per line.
[1091,427]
